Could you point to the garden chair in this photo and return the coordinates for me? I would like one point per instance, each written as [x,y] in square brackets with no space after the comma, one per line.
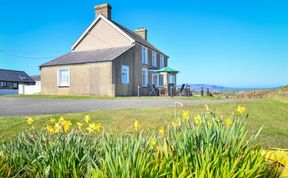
[181,91]
[152,91]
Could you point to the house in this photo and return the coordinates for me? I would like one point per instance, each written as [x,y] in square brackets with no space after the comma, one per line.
[107,60]
[10,80]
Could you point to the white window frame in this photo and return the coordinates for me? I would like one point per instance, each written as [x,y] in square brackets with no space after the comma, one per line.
[154,59]
[126,81]
[162,63]
[162,80]
[58,77]
[144,55]
[145,82]
[157,80]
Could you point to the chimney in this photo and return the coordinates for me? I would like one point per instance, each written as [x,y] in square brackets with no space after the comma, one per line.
[103,9]
[142,32]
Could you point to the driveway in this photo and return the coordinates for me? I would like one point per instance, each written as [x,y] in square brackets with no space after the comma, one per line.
[35,106]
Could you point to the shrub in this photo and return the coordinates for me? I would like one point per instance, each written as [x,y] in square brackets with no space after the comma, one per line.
[206,145]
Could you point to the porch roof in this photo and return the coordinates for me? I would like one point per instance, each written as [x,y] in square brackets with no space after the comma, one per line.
[167,70]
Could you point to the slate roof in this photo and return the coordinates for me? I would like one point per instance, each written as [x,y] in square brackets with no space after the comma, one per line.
[83,57]
[136,37]
[15,76]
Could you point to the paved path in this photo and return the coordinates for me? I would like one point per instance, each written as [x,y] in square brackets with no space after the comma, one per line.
[35,106]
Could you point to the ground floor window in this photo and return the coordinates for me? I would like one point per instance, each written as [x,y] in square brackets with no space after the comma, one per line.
[172,79]
[63,77]
[155,79]
[14,85]
[125,74]
[3,84]
[161,80]
[144,77]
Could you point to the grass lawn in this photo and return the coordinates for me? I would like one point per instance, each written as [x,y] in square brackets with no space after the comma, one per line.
[112,98]
[271,114]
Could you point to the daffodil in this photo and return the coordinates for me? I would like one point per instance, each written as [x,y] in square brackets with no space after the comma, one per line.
[197,120]
[206,108]
[87,119]
[57,128]
[30,121]
[62,120]
[153,142]
[240,109]
[94,127]
[162,131]
[66,125]
[52,120]
[79,125]
[173,124]
[209,124]
[186,115]
[228,122]
[137,126]
[50,129]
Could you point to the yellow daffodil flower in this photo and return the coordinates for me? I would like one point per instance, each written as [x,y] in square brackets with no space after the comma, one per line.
[153,142]
[197,120]
[30,121]
[137,126]
[94,127]
[162,131]
[62,120]
[66,125]
[79,125]
[87,119]
[209,124]
[52,120]
[240,109]
[173,124]
[57,128]
[186,115]
[50,129]
[228,122]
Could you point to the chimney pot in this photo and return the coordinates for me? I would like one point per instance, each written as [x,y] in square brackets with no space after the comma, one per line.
[104,9]
[142,32]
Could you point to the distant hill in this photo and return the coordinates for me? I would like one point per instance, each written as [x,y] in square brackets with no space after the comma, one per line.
[197,87]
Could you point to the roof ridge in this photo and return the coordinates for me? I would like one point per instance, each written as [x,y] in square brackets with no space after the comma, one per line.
[12,70]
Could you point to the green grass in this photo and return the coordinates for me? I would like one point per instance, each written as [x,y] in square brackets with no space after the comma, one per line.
[110,98]
[271,114]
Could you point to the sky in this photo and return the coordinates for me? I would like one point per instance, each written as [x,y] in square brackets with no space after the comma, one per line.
[240,43]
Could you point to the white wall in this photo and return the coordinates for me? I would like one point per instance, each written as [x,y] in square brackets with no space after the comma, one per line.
[29,89]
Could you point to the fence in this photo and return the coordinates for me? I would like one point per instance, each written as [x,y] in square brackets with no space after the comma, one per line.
[29,89]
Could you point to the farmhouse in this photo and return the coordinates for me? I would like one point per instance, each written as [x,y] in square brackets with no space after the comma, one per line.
[10,80]
[107,60]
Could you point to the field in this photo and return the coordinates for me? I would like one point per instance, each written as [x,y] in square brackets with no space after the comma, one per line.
[269,113]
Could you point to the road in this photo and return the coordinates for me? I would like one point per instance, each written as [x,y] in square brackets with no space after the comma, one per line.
[35,106]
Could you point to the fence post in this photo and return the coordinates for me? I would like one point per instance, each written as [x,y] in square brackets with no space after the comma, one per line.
[208,92]
[202,91]
[138,91]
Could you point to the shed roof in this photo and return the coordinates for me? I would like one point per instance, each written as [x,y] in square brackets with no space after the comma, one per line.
[167,70]
[14,76]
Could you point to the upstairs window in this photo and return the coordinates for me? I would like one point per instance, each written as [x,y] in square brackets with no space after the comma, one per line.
[144,77]
[161,80]
[125,74]
[144,55]
[63,77]
[161,61]
[154,59]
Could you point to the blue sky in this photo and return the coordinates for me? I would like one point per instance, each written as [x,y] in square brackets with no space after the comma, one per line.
[230,43]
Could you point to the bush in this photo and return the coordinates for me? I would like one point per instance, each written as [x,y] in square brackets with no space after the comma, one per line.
[206,145]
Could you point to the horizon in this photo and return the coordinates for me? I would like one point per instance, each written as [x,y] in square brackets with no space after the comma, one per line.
[221,43]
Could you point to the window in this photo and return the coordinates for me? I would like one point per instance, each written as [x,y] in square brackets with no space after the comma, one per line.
[14,85]
[155,79]
[161,80]
[154,59]
[144,55]
[161,61]
[125,74]
[144,77]
[172,79]
[3,84]
[63,77]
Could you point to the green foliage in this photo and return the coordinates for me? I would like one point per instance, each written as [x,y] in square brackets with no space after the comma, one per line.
[205,146]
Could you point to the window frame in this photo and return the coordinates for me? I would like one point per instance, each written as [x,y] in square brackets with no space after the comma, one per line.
[3,85]
[59,84]
[161,75]
[146,78]
[14,87]
[162,61]
[154,58]
[144,55]
[173,78]
[127,74]
[157,80]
